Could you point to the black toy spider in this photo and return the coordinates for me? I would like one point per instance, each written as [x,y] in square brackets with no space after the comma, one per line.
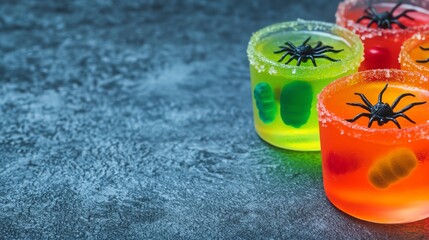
[385,19]
[423,61]
[383,112]
[305,51]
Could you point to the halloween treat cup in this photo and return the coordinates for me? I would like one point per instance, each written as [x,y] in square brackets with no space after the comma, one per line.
[383,27]
[415,54]
[374,131]
[290,63]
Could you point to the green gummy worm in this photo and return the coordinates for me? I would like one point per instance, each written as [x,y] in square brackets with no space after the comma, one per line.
[265,102]
[295,103]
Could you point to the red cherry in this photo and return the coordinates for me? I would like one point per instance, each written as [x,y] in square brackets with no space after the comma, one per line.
[341,163]
[377,57]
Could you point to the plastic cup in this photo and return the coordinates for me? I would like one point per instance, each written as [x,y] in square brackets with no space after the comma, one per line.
[415,54]
[378,173]
[382,46]
[284,95]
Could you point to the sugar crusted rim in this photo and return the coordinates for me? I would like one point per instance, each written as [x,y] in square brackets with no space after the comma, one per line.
[386,136]
[262,63]
[411,43]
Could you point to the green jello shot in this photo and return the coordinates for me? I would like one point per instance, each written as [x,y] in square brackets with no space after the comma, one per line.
[290,63]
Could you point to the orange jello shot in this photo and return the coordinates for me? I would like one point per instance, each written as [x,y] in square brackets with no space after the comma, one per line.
[383,26]
[415,54]
[374,134]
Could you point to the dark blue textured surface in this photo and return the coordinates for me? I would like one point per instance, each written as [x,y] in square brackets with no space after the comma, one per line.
[133,120]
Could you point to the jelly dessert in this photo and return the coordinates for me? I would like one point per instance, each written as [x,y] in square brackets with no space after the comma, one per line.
[415,54]
[374,128]
[290,63]
[383,26]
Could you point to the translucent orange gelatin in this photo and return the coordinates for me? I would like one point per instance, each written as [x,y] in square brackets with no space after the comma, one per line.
[382,46]
[379,174]
[413,57]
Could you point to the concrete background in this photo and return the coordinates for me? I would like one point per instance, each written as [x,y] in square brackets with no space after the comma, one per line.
[133,120]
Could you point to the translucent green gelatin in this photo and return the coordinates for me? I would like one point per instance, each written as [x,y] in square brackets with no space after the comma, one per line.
[288,117]
[264,97]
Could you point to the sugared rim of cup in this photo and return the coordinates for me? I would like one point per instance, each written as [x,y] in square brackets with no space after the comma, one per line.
[385,136]
[404,57]
[328,70]
[366,32]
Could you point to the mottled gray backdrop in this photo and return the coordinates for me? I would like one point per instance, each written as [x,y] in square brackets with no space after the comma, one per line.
[133,120]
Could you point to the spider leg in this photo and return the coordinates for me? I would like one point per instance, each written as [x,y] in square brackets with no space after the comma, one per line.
[284,55]
[380,24]
[286,49]
[424,49]
[367,11]
[299,61]
[404,116]
[335,51]
[326,57]
[290,45]
[360,105]
[423,61]
[402,26]
[362,18]
[322,48]
[399,99]
[371,120]
[404,14]
[319,43]
[330,50]
[370,23]
[306,40]
[395,7]
[380,96]
[290,60]
[389,24]
[365,100]
[410,106]
[394,121]
[372,10]
[312,60]
[359,116]
[283,49]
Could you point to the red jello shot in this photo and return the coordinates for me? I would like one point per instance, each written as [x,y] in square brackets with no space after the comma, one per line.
[383,26]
